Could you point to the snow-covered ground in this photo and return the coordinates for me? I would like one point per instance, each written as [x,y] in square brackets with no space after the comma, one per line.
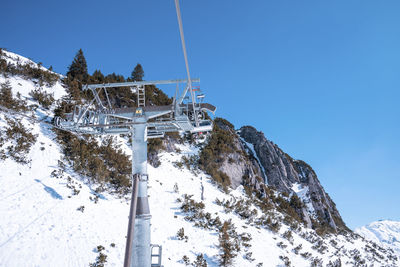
[384,232]
[45,221]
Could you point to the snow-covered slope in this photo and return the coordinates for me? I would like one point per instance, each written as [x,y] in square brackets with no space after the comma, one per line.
[51,216]
[384,232]
[24,86]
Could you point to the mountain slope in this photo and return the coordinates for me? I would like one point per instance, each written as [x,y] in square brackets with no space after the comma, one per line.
[53,216]
[293,176]
[384,232]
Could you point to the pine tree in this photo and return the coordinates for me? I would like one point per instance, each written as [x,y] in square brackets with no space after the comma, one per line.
[228,251]
[97,77]
[6,98]
[137,73]
[78,68]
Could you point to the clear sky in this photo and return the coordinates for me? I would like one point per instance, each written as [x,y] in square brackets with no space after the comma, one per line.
[319,78]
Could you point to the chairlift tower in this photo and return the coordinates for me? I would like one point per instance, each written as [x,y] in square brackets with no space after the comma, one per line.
[141,122]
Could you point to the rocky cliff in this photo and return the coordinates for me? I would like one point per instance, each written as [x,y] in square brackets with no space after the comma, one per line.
[246,157]
[293,177]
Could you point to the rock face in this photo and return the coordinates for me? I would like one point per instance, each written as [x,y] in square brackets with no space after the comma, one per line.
[292,176]
[237,165]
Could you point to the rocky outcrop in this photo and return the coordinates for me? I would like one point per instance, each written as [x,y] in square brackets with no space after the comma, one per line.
[289,175]
[236,164]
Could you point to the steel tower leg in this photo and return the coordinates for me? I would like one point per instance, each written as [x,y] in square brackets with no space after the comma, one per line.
[138,245]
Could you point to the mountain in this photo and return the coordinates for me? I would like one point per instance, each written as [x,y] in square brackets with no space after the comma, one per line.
[230,194]
[293,177]
[384,232]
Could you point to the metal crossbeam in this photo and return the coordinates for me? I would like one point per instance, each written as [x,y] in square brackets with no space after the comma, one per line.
[129,84]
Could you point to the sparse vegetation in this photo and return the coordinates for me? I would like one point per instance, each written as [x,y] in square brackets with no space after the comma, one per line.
[186,260]
[335,263]
[8,101]
[241,207]
[316,262]
[281,245]
[212,155]
[248,256]
[81,209]
[103,164]
[181,235]
[176,188]
[228,245]
[45,99]
[288,236]
[285,260]
[297,249]
[29,71]
[101,258]
[200,261]
[320,246]
[195,213]
[20,141]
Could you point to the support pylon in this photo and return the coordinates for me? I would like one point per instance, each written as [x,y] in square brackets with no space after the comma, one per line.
[138,245]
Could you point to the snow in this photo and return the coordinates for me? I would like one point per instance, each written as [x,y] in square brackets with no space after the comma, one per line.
[302,192]
[24,87]
[14,58]
[165,226]
[11,57]
[251,147]
[384,232]
[40,224]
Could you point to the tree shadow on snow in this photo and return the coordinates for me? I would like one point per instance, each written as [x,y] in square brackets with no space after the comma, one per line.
[53,193]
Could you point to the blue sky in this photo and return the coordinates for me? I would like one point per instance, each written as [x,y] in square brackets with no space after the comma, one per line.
[319,78]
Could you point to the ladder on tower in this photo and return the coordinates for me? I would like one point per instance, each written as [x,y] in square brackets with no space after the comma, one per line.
[156,252]
[141,98]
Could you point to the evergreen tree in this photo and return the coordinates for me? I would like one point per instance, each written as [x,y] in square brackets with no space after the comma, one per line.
[137,73]
[97,77]
[6,98]
[74,89]
[78,68]
[227,247]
